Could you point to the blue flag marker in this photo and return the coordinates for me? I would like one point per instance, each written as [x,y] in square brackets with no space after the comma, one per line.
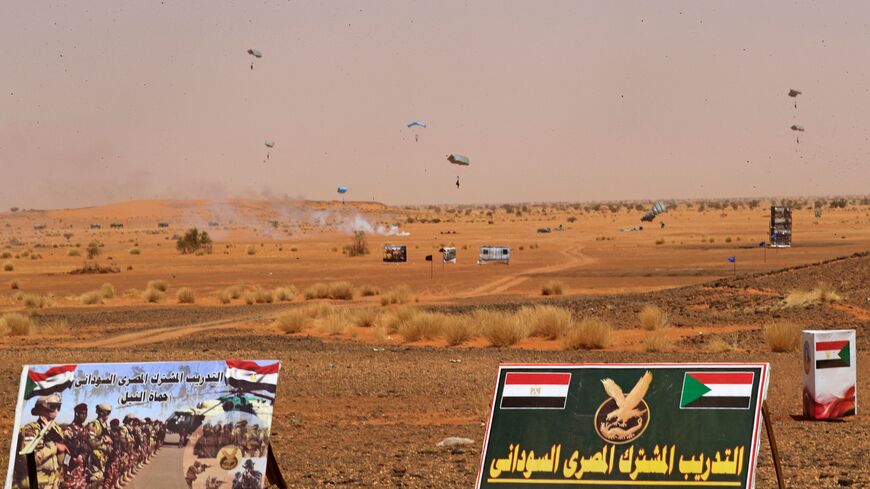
[732,259]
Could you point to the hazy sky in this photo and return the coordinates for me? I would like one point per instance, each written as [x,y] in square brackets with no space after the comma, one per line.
[103,101]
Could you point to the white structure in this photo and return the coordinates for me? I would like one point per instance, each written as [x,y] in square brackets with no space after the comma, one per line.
[494,254]
[830,376]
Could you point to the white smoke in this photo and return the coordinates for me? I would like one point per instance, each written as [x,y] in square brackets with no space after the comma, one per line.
[360,223]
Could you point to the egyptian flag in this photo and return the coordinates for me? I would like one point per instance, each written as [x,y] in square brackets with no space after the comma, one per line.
[833,354]
[51,381]
[717,390]
[535,390]
[250,376]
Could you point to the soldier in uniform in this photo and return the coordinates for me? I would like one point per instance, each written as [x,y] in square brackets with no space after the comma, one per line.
[249,478]
[113,464]
[128,459]
[193,471]
[47,439]
[100,444]
[76,440]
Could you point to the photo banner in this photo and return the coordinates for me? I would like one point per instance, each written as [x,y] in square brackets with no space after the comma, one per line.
[165,425]
[624,426]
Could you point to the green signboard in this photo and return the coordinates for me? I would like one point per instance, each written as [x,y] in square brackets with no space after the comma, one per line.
[624,426]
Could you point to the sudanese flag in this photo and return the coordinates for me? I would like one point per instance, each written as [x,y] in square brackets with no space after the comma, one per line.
[51,381]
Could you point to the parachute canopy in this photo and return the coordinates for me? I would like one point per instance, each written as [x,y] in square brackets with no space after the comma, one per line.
[343,190]
[797,128]
[458,159]
[417,123]
[270,143]
[255,53]
[794,93]
[656,209]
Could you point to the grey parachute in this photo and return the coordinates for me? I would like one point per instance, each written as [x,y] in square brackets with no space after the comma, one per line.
[656,209]
[255,53]
[415,123]
[458,159]
[797,128]
[793,94]
[269,144]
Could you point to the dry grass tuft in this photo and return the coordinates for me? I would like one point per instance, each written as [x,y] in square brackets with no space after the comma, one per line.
[8,266]
[553,287]
[656,342]
[590,333]
[399,295]
[230,293]
[293,321]
[160,285]
[73,252]
[14,285]
[15,324]
[782,336]
[369,291]
[92,297]
[457,330]
[36,301]
[134,251]
[259,296]
[422,325]
[499,328]
[185,295]
[333,324]
[286,294]
[549,322]
[820,294]
[332,290]
[107,290]
[55,327]
[719,345]
[365,318]
[251,250]
[153,295]
[652,317]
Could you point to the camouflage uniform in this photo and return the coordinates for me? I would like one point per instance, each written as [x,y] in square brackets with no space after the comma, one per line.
[113,464]
[100,444]
[76,440]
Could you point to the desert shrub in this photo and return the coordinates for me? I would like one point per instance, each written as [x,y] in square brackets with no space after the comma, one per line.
[251,250]
[333,290]
[457,329]
[654,342]
[546,321]
[553,287]
[91,297]
[153,295]
[15,324]
[398,295]
[728,239]
[498,328]
[286,294]
[93,249]
[369,290]
[319,290]
[194,240]
[36,301]
[5,255]
[333,324]
[224,297]
[160,285]
[259,296]
[652,317]
[804,298]
[233,291]
[660,241]
[293,321]
[422,325]
[358,245]
[134,251]
[719,345]
[8,266]
[107,290]
[782,336]
[365,318]
[588,334]
[73,252]
[185,295]
[14,285]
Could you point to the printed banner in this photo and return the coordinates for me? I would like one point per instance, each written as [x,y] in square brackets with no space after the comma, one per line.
[830,374]
[624,426]
[168,425]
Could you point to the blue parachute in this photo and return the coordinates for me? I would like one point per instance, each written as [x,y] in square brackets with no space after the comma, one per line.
[343,190]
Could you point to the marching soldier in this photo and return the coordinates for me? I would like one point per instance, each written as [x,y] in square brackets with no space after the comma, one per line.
[100,444]
[128,459]
[193,471]
[113,464]
[249,478]
[45,438]
[76,437]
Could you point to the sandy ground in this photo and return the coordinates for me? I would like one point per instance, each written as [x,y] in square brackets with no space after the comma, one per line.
[362,410]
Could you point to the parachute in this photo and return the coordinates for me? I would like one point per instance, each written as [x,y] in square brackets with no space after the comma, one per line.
[255,53]
[797,128]
[793,93]
[417,123]
[343,190]
[458,159]
[656,209]
[270,143]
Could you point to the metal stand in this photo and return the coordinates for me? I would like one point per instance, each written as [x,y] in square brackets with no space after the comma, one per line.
[772,439]
[273,472]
